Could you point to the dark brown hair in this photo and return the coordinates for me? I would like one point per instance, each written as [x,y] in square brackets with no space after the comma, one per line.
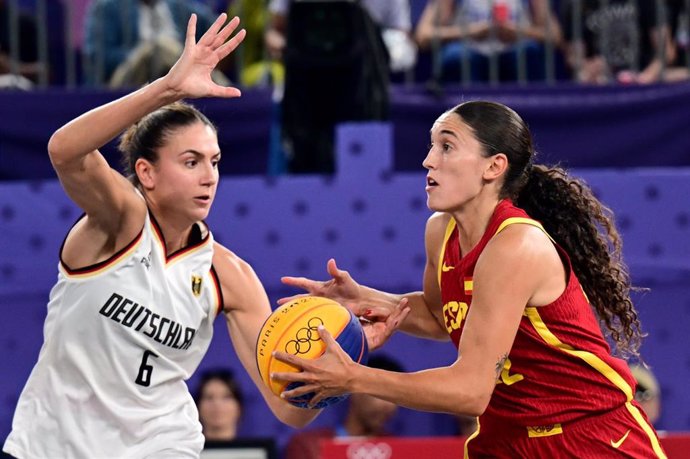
[142,139]
[226,377]
[569,212]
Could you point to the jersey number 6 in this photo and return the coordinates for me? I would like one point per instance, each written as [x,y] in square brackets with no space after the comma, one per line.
[144,376]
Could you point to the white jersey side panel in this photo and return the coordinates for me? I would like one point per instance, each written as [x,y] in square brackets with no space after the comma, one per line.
[120,338]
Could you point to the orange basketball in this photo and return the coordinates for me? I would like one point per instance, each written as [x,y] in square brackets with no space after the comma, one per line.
[293,328]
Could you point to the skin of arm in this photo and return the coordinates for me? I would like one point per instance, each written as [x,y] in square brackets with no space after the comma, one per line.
[661,38]
[246,307]
[541,15]
[437,21]
[524,263]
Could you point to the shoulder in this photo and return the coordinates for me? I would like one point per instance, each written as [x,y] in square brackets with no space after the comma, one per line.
[521,238]
[436,226]
[521,249]
[239,283]
[228,264]
[438,222]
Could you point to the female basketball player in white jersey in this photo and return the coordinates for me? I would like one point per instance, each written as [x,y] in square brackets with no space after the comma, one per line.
[140,278]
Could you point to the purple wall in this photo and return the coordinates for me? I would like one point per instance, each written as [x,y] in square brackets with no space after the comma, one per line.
[371,220]
[588,127]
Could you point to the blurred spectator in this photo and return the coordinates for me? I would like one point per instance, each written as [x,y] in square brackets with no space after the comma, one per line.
[392,17]
[625,41]
[219,401]
[471,32]
[27,67]
[647,393]
[335,71]
[366,416]
[131,42]
[679,18]
[252,65]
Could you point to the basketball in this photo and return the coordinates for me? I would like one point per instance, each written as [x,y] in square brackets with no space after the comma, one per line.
[293,328]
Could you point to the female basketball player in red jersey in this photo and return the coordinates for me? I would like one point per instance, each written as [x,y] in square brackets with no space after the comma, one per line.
[519,276]
[140,278]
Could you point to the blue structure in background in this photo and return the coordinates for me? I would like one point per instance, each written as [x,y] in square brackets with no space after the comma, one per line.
[371,219]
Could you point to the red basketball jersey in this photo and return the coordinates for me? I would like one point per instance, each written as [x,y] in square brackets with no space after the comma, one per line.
[559,368]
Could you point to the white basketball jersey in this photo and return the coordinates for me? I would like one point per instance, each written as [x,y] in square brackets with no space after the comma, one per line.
[120,339]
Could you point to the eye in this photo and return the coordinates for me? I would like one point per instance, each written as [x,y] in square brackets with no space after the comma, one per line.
[191,163]
[446,147]
[215,162]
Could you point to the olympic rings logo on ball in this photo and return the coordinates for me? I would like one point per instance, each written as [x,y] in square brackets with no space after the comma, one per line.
[304,337]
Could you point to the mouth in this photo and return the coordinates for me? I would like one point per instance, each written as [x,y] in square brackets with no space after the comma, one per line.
[203,199]
[430,183]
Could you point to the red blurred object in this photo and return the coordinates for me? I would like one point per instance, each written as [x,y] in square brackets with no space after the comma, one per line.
[676,445]
[501,12]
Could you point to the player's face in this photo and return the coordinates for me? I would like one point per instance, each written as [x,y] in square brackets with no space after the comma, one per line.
[186,173]
[218,407]
[455,164]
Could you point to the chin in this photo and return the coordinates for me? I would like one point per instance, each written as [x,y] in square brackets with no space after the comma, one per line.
[200,215]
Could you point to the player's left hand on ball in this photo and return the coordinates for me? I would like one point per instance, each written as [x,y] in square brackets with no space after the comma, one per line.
[328,376]
[378,329]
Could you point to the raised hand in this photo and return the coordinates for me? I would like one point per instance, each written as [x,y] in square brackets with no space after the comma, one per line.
[190,77]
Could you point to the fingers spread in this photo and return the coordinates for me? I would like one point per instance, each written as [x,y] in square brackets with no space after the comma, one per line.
[190,38]
[291,359]
[230,45]
[333,270]
[210,34]
[326,337]
[226,31]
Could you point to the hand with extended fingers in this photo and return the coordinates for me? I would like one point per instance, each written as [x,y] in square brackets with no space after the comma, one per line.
[341,288]
[380,320]
[191,75]
[330,375]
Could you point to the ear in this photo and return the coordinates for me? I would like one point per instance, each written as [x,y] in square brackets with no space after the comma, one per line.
[145,173]
[497,166]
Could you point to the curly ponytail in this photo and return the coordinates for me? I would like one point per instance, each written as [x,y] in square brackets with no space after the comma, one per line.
[585,229]
[570,213]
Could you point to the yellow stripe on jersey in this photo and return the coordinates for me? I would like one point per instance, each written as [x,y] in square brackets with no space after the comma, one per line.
[647,429]
[599,365]
[514,220]
[449,230]
[466,454]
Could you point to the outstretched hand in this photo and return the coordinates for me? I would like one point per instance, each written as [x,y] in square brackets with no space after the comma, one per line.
[341,288]
[379,321]
[190,77]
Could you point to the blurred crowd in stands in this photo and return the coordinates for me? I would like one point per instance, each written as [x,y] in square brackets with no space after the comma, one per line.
[125,43]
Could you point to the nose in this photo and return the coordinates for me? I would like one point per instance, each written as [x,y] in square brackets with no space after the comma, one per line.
[210,175]
[428,161]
